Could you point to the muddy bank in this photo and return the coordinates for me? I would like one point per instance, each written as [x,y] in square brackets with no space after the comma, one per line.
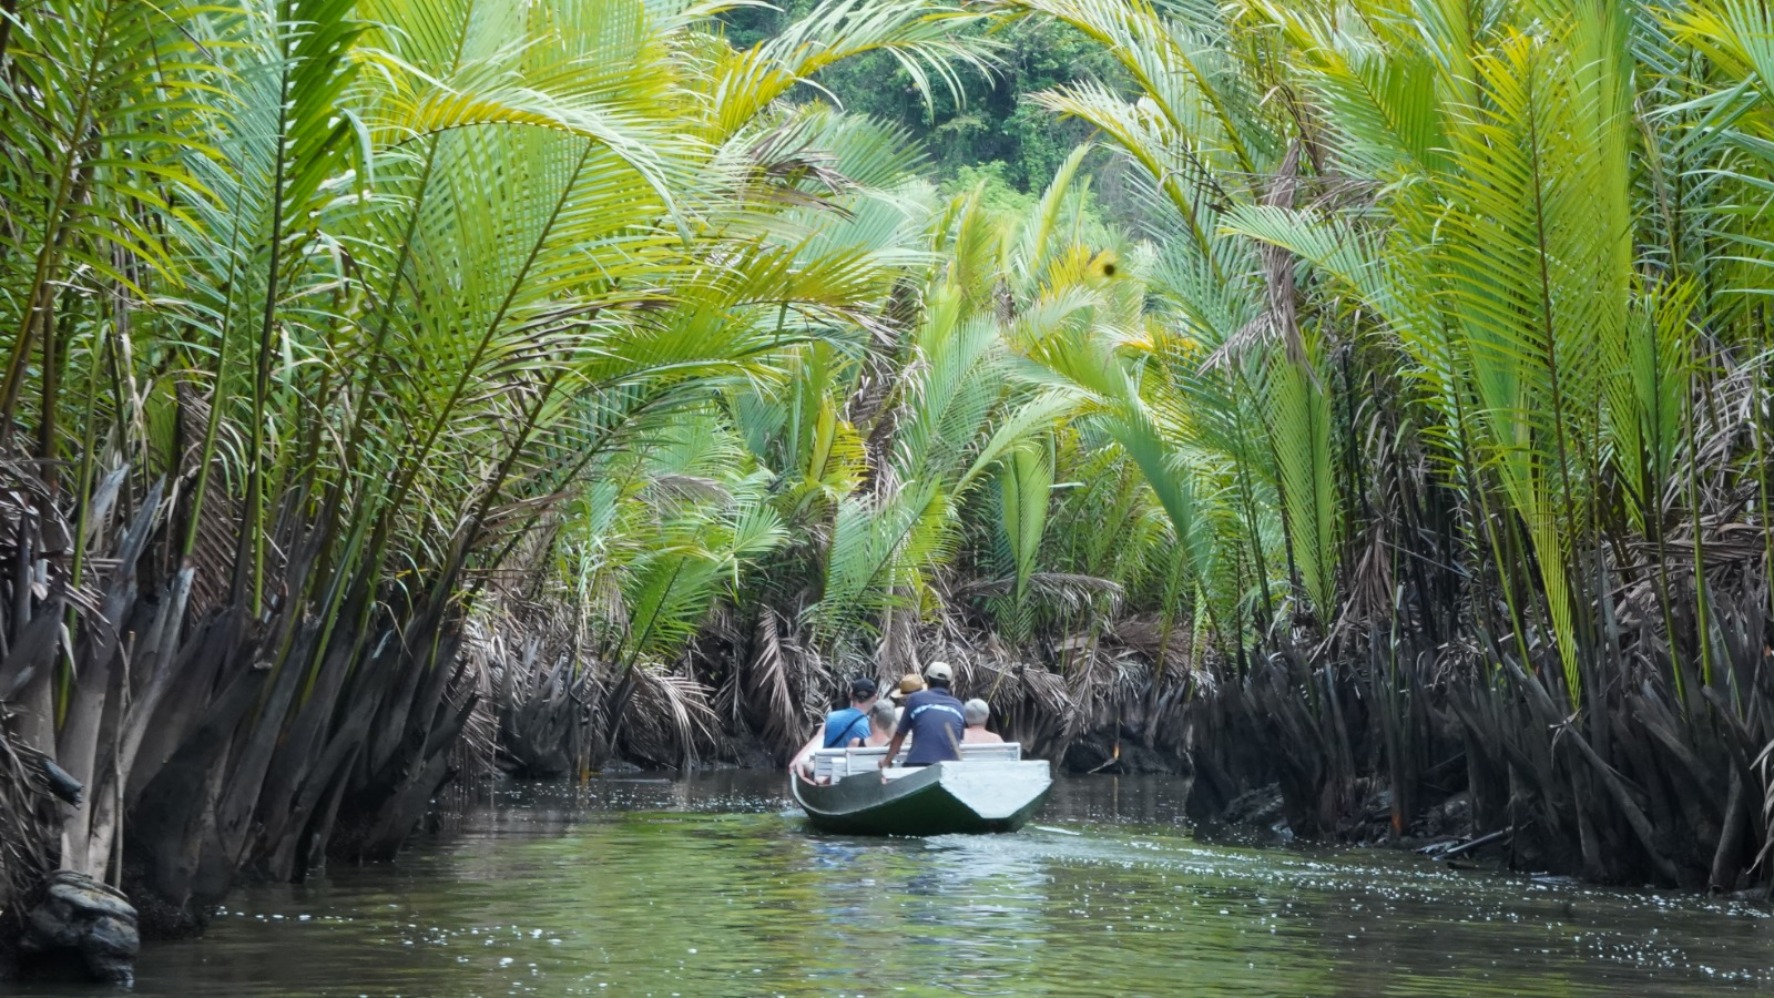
[1641,783]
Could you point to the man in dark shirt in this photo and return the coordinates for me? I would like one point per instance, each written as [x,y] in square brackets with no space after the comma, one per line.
[933,718]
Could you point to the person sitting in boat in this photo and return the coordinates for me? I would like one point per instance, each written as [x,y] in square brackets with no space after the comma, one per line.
[882,720]
[975,712]
[909,684]
[846,727]
[933,719]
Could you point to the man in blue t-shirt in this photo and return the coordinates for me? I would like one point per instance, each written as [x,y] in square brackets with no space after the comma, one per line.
[934,719]
[849,726]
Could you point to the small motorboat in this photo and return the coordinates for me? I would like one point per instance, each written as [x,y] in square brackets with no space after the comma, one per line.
[991,789]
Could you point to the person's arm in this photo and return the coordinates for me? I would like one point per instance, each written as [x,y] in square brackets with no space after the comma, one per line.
[893,748]
[807,750]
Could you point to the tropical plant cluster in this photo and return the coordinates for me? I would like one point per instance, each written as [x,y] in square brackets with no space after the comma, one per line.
[331,324]
[990,126]
[396,387]
[1466,379]
[954,482]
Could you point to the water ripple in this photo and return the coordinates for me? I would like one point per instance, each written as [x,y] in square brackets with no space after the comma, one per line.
[715,887]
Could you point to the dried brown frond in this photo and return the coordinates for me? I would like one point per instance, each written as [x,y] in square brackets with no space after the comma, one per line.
[670,715]
[27,835]
[767,683]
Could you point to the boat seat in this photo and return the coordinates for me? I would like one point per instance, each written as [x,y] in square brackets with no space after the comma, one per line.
[831,765]
[994,752]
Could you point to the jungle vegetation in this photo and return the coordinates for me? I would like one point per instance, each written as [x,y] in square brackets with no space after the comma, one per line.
[393,388]
[989,129]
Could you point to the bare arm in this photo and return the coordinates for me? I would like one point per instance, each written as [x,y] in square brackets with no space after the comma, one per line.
[807,749]
[893,748]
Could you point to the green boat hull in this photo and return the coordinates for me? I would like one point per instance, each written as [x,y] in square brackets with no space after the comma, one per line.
[945,799]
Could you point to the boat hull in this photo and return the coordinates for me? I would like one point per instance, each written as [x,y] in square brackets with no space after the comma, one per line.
[944,799]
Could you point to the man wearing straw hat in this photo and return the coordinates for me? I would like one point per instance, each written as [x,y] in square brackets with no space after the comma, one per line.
[908,684]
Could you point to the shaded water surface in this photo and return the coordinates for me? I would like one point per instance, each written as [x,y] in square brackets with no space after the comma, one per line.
[714,886]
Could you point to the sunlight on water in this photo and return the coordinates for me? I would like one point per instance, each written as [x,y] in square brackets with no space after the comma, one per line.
[715,887]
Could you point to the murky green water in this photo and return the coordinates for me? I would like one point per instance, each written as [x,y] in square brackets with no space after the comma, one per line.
[715,887]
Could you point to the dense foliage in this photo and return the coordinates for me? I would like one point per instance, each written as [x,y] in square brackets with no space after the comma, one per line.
[1466,377]
[990,126]
[387,380]
[323,319]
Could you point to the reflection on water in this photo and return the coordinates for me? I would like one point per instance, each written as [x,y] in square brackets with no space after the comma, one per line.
[713,886]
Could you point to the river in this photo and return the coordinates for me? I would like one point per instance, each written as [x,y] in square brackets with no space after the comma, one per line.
[714,886]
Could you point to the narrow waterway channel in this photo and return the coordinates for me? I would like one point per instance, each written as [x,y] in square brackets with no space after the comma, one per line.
[713,886]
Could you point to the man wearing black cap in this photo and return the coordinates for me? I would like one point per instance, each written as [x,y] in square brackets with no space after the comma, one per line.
[849,726]
[846,727]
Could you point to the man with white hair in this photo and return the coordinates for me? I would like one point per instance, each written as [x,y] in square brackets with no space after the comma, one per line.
[933,719]
[975,712]
[882,720]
